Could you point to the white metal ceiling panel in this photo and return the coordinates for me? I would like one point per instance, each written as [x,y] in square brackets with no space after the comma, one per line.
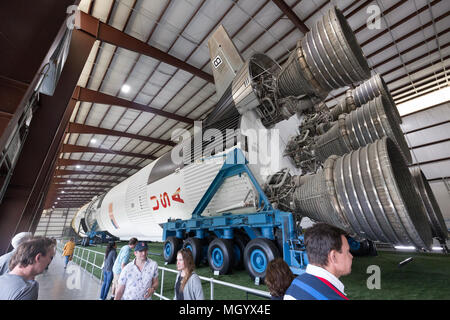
[166,125]
[118,71]
[429,135]
[312,20]
[436,170]
[122,9]
[433,152]
[126,120]
[87,69]
[101,9]
[96,114]
[81,113]
[144,18]
[139,147]
[106,52]
[440,191]
[417,75]
[426,117]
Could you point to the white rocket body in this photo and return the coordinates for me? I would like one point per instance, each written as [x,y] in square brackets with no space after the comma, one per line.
[135,208]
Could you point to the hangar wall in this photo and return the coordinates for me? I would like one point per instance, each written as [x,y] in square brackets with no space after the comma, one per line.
[426,132]
[53,225]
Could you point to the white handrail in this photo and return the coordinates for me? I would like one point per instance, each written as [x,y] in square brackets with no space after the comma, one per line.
[226,284]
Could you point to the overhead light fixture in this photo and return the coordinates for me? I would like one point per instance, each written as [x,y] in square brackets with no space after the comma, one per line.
[59,198]
[425,101]
[125,88]
[78,166]
[69,181]
[414,248]
[405,247]
[93,140]
[63,191]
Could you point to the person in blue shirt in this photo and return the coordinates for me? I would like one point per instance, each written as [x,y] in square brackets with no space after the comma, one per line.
[329,258]
[122,259]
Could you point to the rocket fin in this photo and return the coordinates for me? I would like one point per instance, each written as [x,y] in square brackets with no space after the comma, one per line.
[225,59]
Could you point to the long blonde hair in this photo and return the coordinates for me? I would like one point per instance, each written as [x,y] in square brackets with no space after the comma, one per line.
[189,265]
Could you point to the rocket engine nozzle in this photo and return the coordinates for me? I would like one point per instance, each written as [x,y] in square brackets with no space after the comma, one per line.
[369,192]
[327,58]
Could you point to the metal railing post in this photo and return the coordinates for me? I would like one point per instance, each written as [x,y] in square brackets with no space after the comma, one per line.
[101,271]
[93,266]
[211,282]
[87,260]
[162,283]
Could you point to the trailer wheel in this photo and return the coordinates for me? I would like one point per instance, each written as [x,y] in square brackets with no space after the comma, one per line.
[170,249]
[239,243]
[257,255]
[195,245]
[359,248]
[220,255]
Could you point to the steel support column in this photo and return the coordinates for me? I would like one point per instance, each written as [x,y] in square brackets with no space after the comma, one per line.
[23,201]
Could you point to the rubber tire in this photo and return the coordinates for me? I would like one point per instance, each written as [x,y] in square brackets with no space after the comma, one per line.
[239,243]
[363,249]
[372,252]
[279,239]
[196,245]
[205,244]
[269,251]
[225,247]
[175,245]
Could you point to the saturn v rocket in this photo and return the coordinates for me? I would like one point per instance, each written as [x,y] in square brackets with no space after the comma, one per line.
[347,166]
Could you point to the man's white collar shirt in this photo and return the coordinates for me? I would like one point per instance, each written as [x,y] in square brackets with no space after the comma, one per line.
[322,273]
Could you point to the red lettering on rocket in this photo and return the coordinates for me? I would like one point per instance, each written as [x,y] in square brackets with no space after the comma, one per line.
[165,200]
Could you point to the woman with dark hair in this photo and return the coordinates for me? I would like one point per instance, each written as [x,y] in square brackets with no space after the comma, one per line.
[187,283]
[278,278]
[110,257]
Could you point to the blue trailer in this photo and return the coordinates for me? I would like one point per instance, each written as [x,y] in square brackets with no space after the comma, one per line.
[236,241]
